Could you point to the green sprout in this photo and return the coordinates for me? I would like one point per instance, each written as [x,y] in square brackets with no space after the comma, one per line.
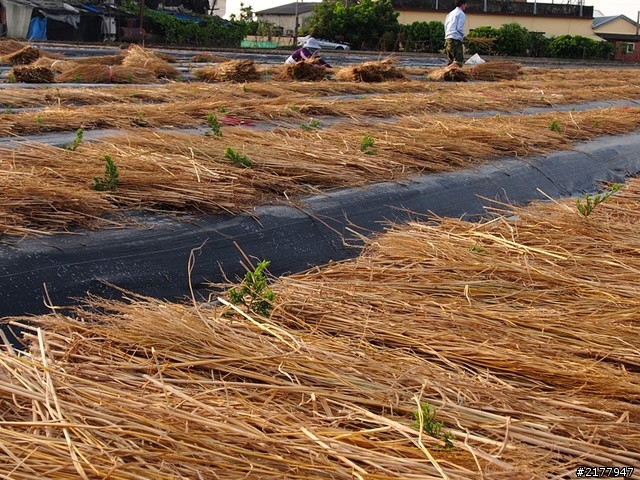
[253,292]
[76,142]
[555,126]
[237,159]
[311,125]
[590,203]
[426,418]
[110,179]
[367,144]
[214,124]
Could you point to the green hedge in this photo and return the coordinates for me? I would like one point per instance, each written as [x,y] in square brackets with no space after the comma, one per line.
[205,30]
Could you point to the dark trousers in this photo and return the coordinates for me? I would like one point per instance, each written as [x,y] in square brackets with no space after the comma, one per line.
[454,51]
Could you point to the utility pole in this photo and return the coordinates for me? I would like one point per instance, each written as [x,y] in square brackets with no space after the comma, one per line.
[295,27]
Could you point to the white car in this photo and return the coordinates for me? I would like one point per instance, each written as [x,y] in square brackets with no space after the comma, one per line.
[326,44]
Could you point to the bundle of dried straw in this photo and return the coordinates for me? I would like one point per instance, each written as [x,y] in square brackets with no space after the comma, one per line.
[55,65]
[238,71]
[24,56]
[32,74]
[492,71]
[450,73]
[208,58]
[107,74]
[139,57]
[380,71]
[9,45]
[305,71]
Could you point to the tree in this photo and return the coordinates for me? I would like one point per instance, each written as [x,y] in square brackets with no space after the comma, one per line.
[423,37]
[366,24]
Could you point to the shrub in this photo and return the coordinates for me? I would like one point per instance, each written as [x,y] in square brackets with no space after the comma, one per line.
[538,44]
[513,39]
[578,46]
[423,37]
[486,45]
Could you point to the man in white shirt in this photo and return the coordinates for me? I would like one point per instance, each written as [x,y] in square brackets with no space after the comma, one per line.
[454,33]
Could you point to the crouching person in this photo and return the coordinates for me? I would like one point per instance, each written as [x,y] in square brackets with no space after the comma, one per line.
[309,50]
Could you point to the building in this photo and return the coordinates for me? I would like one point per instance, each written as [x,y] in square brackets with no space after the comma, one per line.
[290,17]
[553,19]
[59,20]
[623,33]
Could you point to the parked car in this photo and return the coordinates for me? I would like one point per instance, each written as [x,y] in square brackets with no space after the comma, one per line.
[326,44]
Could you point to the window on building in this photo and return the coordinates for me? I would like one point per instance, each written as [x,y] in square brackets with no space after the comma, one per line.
[631,47]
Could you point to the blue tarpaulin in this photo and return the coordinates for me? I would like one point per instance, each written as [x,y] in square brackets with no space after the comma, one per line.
[37,29]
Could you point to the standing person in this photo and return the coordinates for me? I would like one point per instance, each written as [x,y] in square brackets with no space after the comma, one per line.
[454,33]
[308,50]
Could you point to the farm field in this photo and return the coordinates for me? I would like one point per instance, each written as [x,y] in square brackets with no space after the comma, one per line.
[503,343]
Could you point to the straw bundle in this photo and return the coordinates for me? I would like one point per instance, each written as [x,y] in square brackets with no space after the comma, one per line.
[24,56]
[450,73]
[139,57]
[9,45]
[306,71]
[230,71]
[104,59]
[55,65]
[381,71]
[107,74]
[483,46]
[33,74]
[208,58]
[492,71]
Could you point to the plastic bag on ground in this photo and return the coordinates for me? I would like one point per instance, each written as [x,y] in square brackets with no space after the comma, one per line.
[474,60]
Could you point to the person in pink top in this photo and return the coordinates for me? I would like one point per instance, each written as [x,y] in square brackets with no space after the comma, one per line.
[308,50]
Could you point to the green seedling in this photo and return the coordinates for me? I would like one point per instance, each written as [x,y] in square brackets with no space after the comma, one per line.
[253,292]
[426,418]
[596,123]
[590,203]
[311,125]
[237,159]
[110,179]
[39,119]
[367,145]
[555,126]
[295,108]
[222,110]
[214,124]
[77,141]
[478,249]
[8,109]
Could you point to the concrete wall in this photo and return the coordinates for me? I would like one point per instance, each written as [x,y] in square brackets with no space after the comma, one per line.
[287,22]
[552,26]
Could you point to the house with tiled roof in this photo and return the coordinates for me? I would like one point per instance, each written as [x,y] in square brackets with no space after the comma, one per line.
[623,32]
[289,18]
